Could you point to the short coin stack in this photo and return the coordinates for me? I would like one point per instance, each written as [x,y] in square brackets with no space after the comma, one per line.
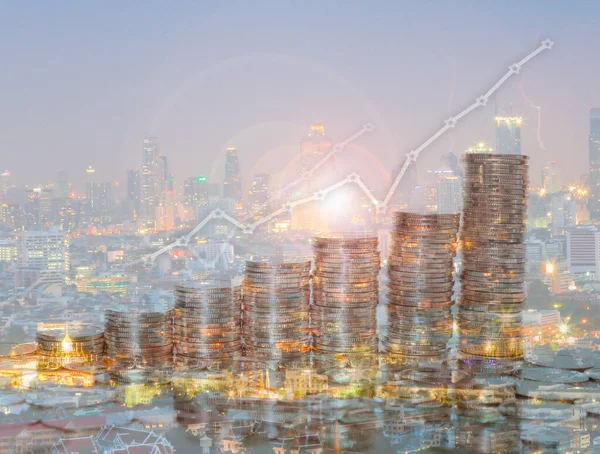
[70,345]
[345,297]
[493,273]
[139,337]
[207,323]
[275,311]
[420,288]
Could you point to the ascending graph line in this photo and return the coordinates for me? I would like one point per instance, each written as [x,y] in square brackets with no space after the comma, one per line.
[353,178]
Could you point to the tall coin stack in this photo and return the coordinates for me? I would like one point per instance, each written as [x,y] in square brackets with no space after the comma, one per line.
[420,288]
[345,297]
[206,324]
[275,311]
[138,337]
[493,272]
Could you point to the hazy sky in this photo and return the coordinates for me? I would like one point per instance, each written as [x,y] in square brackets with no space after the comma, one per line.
[83,82]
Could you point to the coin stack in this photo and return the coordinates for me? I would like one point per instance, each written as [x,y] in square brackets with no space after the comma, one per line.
[73,344]
[275,310]
[345,297]
[207,323]
[138,337]
[420,287]
[493,255]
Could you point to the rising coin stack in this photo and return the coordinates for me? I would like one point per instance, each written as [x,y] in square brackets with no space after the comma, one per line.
[420,288]
[492,277]
[139,337]
[207,323]
[345,297]
[275,310]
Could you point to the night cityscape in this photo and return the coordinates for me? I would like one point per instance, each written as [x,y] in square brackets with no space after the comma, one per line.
[254,228]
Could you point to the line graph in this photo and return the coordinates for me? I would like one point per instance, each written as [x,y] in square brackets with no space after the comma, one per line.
[353,178]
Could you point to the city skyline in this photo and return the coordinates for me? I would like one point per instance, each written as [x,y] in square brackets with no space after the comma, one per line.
[286,228]
[272,131]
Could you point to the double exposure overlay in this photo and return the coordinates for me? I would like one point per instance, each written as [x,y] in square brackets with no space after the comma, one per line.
[299,228]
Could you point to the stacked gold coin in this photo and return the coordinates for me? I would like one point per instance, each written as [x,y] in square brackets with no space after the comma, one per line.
[206,324]
[136,336]
[420,286]
[275,310]
[493,255]
[345,297]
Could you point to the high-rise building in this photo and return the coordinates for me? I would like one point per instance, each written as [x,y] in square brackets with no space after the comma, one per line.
[164,212]
[582,249]
[134,194]
[99,199]
[195,192]
[594,161]
[232,184]
[508,135]
[563,212]
[6,183]
[151,178]
[259,196]
[551,177]
[62,185]
[449,193]
[45,253]
[314,146]
[99,202]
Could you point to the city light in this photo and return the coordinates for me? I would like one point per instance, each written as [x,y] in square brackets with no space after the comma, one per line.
[563,328]
[308,299]
[549,268]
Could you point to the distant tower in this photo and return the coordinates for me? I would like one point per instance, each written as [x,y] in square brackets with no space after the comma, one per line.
[232,186]
[594,158]
[259,196]
[314,146]
[449,194]
[550,177]
[134,191]
[152,174]
[195,193]
[6,183]
[508,135]
[62,185]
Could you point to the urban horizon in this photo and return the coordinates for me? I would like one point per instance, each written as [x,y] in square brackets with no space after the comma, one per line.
[392,246]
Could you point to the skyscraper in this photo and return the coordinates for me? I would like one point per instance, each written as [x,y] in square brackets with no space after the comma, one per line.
[99,200]
[508,135]
[449,193]
[259,195]
[594,158]
[152,175]
[563,211]
[232,185]
[62,185]
[314,146]
[551,177]
[133,191]
[6,183]
[195,192]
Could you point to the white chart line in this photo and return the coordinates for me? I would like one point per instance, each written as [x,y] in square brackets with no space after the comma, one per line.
[450,123]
